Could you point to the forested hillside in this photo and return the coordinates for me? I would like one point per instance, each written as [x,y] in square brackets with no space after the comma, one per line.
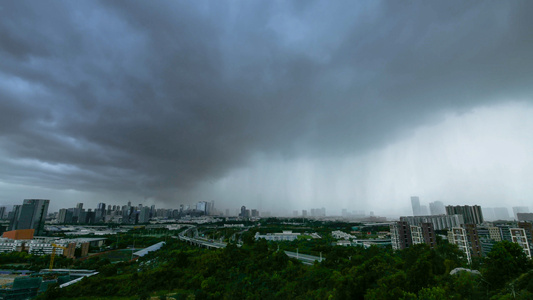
[259,271]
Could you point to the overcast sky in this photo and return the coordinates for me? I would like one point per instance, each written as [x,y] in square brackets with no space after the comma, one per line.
[276,105]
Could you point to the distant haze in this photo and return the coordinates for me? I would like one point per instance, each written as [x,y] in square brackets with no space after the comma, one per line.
[278,106]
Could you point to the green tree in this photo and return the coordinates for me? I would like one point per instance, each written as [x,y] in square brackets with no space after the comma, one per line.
[504,262]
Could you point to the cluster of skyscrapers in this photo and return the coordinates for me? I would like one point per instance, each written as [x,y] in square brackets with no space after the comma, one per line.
[130,214]
[248,213]
[435,208]
[313,212]
[465,227]
[32,213]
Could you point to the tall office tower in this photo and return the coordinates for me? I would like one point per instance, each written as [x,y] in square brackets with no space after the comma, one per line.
[2,212]
[525,217]
[11,215]
[144,215]
[243,211]
[99,213]
[501,213]
[65,215]
[152,211]
[62,215]
[471,214]
[202,206]
[437,208]
[519,209]
[82,218]
[227,212]
[77,211]
[209,206]
[31,215]
[255,213]
[304,213]
[415,204]
[424,210]
[101,206]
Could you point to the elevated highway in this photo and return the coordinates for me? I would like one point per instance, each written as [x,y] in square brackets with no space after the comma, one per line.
[304,258]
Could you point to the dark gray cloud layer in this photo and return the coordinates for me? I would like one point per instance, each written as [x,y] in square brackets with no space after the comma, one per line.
[155,97]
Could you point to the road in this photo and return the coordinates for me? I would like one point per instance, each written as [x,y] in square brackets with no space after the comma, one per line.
[304,258]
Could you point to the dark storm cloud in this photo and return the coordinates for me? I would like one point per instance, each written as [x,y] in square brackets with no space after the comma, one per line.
[159,96]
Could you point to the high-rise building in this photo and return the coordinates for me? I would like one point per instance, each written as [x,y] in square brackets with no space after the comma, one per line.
[2,212]
[144,215]
[424,211]
[11,215]
[415,204]
[62,215]
[525,217]
[458,236]
[437,208]
[518,235]
[428,232]
[31,215]
[400,235]
[528,228]
[473,239]
[202,206]
[471,214]
[404,235]
[152,211]
[438,222]
[99,213]
[519,209]
[505,232]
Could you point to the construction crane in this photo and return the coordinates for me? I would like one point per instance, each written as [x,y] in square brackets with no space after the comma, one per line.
[54,254]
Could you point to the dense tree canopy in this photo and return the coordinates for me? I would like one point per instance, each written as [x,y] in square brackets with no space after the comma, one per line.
[258,270]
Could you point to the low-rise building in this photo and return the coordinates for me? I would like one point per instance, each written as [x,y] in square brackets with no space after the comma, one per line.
[337,234]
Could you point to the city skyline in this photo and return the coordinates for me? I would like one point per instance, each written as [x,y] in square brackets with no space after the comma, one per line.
[277,106]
